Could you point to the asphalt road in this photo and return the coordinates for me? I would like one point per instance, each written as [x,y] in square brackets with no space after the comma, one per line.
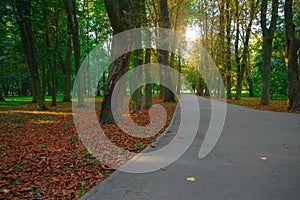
[256,157]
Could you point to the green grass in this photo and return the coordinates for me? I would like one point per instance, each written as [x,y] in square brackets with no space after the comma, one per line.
[245,94]
[17,101]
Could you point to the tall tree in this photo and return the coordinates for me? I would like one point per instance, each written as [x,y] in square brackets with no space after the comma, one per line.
[66,69]
[139,20]
[23,12]
[268,35]
[169,96]
[148,89]
[120,15]
[291,57]
[241,67]
[71,11]
[228,49]
[221,40]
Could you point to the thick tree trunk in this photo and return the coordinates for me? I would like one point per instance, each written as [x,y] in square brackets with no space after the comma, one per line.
[268,34]
[291,58]
[117,69]
[120,15]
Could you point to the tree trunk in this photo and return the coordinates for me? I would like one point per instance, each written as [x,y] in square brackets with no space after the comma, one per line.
[291,58]
[248,78]
[236,49]
[48,81]
[137,77]
[44,81]
[179,76]
[67,86]
[242,66]
[169,96]
[54,69]
[73,24]
[200,86]
[119,13]
[148,103]
[139,19]
[228,51]
[1,97]
[268,34]
[66,69]
[24,22]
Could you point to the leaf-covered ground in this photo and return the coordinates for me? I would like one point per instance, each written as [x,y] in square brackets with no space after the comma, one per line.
[42,156]
[275,105]
[279,105]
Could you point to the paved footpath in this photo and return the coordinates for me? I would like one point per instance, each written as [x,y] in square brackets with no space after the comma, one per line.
[256,157]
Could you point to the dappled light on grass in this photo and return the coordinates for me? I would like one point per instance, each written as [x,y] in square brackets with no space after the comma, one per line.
[34,112]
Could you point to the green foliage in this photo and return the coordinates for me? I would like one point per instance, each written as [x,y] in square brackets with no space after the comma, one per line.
[138,146]
[278,77]
[42,145]
[82,189]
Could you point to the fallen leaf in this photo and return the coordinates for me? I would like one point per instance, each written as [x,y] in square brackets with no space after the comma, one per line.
[5,191]
[263,158]
[163,169]
[191,179]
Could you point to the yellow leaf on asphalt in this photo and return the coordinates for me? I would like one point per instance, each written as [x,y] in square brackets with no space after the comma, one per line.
[191,179]
[263,158]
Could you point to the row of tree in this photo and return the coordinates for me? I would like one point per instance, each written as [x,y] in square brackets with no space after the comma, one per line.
[255,45]
[44,42]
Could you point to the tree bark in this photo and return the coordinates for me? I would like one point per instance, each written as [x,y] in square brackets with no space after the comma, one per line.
[169,96]
[248,78]
[148,103]
[73,24]
[119,13]
[291,58]
[1,97]
[268,34]
[67,74]
[236,52]
[139,19]
[228,51]
[178,89]
[242,66]
[23,9]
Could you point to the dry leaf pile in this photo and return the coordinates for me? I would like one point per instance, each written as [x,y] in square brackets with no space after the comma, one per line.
[42,156]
